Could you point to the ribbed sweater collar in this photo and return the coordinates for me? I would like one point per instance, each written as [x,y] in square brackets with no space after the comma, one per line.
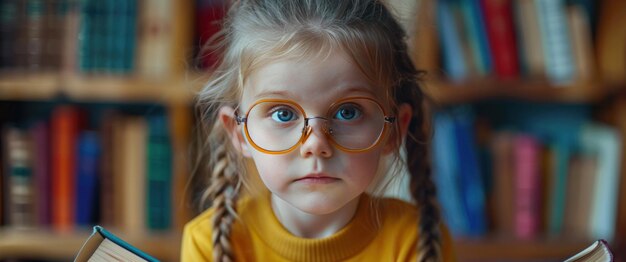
[345,243]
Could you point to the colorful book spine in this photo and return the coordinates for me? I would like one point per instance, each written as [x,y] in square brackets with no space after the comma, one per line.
[21,206]
[471,180]
[446,174]
[606,143]
[9,21]
[474,23]
[454,60]
[527,187]
[159,174]
[87,184]
[64,128]
[501,36]
[41,171]
[556,40]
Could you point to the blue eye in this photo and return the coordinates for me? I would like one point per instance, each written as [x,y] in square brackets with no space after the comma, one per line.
[283,115]
[347,113]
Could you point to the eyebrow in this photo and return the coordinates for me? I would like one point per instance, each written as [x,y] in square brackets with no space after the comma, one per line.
[289,94]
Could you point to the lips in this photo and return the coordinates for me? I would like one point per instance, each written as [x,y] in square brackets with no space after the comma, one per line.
[317,179]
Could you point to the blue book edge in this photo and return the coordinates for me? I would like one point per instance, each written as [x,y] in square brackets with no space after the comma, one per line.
[122,243]
[106,234]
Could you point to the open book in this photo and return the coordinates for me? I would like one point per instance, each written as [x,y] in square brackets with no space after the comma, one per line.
[596,252]
[104,246]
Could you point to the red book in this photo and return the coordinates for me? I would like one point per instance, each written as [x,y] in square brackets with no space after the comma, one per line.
[63,133]
[501,37]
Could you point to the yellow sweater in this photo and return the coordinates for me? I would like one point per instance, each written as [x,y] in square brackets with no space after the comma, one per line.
[263,238]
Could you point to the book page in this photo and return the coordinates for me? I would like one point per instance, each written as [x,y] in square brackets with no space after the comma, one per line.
[109,251]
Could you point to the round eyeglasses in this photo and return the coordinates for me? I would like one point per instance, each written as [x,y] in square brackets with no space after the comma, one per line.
[278,126]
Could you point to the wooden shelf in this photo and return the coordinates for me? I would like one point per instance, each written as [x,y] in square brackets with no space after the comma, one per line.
[501,249]
[49,245]
[98,88]
[448,93]
[28,87]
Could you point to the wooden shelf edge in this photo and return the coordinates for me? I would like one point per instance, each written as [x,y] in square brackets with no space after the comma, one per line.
[47,244]
[496,249]
[450,93]
[22,87]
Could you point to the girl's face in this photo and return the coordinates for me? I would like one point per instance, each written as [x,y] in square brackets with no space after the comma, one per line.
[316,177]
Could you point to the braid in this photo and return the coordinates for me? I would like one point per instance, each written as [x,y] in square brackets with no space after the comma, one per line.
[223,191]
[217,164]
[422,188]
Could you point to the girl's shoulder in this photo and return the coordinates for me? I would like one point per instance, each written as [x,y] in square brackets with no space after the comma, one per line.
[396,209]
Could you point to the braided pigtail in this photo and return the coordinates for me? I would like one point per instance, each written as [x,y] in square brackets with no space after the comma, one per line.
[218,164]
[421,185]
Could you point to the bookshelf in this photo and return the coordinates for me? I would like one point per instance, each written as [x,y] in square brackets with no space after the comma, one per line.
[603,91]
[69,81]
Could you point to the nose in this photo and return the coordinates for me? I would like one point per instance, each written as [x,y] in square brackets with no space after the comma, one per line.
[315,141]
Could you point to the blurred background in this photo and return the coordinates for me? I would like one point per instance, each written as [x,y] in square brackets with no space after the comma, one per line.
[528,106]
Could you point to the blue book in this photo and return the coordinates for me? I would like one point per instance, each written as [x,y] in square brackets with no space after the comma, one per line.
[87,178]
[446,174]
[102,245]
[470,178]
[454,60]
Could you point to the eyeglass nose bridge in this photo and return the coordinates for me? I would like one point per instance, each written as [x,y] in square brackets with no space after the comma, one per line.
[308,129]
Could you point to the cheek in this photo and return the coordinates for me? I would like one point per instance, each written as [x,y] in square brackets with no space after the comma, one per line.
[362,167]
[271,168]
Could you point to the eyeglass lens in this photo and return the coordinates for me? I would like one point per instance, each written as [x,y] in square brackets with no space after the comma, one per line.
[353,124]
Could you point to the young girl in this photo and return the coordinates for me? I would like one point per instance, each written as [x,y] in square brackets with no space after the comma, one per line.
[314,94]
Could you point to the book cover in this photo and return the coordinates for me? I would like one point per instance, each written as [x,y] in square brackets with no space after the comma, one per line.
[102,245]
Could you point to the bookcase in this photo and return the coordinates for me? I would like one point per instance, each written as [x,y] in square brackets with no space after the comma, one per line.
[499,75]
[96,99]
[166,85]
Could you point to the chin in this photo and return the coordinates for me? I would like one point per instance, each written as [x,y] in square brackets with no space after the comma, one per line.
[319,205]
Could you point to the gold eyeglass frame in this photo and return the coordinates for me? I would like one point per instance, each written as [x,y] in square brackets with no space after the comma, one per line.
[307,129]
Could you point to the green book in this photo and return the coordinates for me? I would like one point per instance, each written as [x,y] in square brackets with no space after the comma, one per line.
[102,245]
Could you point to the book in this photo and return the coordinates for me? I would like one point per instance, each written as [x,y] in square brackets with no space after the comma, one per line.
[597,252]
[102,245]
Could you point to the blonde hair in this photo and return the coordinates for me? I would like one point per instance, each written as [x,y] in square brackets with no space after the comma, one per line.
[257,31]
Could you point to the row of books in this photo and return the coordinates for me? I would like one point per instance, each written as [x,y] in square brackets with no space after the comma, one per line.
[58,174]
[87,36]
[549,39]
[526,183]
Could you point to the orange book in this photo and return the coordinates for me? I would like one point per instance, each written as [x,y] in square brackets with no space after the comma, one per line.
[64,129]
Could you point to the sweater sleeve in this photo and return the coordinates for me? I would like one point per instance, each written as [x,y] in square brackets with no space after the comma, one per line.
[196,240]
